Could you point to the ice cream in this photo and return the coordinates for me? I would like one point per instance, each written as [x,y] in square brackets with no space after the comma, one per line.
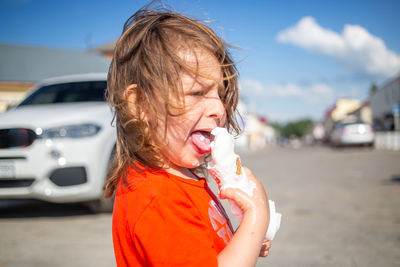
[225,167]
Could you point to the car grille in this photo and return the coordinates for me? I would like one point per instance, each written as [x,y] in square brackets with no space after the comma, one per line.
[12,183]
[16,137]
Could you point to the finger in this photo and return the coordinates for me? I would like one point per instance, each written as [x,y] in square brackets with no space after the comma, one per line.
[227,193]
[267,244]
[241,198]
[252,177]
[248,171]
[264,254]
[233,193]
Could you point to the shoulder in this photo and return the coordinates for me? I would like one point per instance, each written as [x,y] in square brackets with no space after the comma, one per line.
[147,190]
[149,184]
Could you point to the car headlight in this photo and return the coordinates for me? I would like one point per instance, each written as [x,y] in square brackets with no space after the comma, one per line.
[69,131]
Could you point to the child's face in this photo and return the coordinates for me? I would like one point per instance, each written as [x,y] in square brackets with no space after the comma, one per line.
[188,134]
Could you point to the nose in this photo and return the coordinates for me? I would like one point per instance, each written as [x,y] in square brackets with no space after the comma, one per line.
[214,108]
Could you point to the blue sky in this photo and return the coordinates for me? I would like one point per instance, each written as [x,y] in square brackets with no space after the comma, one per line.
[295,58]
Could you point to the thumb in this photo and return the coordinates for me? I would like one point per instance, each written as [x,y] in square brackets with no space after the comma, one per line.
[241,199]
[226,193]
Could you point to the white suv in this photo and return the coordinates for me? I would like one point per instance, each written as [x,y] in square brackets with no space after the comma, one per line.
[56,145]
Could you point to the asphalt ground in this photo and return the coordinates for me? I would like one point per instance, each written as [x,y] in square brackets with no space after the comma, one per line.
[340,207]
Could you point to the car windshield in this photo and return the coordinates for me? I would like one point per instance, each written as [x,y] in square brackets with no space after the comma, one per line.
[67,93]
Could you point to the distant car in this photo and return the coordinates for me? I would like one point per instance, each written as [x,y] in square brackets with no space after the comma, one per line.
[56,144]
[352,133]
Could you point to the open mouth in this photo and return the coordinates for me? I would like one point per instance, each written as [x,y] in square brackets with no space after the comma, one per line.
[202,141]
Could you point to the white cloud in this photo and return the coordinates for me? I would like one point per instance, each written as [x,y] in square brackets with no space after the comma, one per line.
[313,93]
[284,117]
[251,86]
[285,102]
[355,46]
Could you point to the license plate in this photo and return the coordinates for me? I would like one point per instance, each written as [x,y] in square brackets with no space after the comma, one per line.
[6,169]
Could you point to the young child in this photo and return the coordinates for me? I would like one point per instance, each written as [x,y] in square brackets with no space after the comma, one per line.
[172,81]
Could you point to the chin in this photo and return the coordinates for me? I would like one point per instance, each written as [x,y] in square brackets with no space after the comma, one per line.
[193,164]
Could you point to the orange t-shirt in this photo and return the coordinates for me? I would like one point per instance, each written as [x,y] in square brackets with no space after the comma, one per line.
[160,219]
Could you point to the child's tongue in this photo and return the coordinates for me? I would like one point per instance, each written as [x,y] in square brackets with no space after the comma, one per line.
[202,140]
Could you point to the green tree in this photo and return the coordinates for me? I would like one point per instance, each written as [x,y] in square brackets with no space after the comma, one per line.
[297,128]
[373,88]
[278,127]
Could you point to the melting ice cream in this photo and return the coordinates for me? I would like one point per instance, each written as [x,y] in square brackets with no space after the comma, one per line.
[225,167]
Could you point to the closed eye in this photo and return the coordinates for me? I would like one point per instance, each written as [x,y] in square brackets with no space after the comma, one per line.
[196,93]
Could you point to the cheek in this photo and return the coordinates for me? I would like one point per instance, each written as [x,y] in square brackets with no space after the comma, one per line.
[222,120]
[175,131]
[195,109]
[179,128]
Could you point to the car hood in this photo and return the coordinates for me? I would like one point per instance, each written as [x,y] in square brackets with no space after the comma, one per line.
[54,115]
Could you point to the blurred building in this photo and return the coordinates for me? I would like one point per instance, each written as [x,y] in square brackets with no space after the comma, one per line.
[106,50]
[254,131]
[258,132]
[270,134]
[384,103]
[318,132]
[21,67]
[241,141]
[339,111]
[363,113]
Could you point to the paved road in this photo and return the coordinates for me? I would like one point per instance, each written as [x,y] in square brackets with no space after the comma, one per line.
[340,208]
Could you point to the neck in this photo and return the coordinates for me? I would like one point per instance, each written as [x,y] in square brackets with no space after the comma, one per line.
[182,172]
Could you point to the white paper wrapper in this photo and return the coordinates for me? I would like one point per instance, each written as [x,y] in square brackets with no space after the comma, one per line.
[274,221]
[225,167]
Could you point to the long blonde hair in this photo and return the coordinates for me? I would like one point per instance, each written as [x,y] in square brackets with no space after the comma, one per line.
[146,55]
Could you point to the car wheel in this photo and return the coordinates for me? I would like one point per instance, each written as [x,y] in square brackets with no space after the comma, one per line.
[369,146]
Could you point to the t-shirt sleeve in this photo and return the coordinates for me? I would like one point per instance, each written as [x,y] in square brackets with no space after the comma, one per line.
[170,232]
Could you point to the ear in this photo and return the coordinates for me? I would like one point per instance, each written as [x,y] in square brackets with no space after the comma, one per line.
[130,92]
[130,97]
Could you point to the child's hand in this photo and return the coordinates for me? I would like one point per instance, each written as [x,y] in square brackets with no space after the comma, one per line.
[255,205]
[266,245]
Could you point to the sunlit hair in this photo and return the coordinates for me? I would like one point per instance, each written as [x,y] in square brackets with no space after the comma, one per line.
[146,54]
